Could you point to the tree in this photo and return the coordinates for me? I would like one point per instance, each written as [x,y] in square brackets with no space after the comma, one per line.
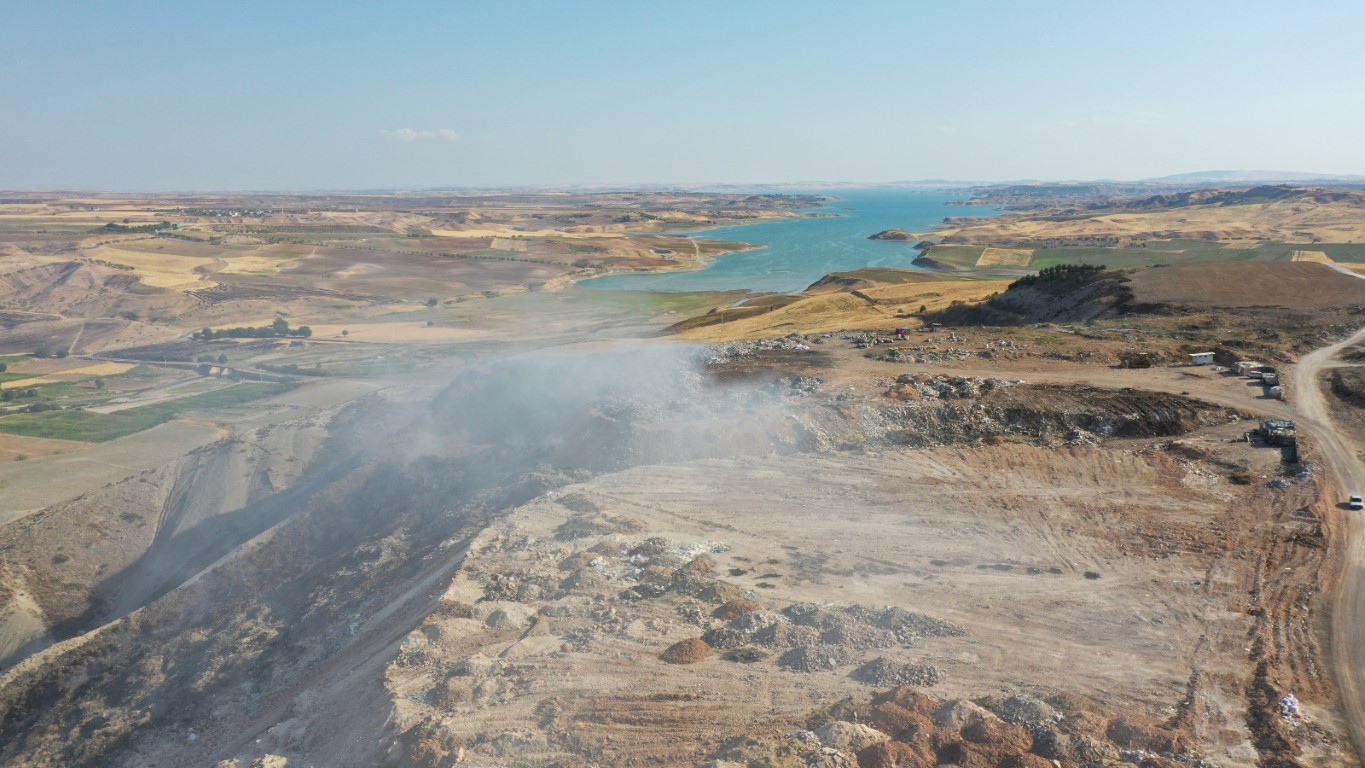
[345,332]
[203,369]
[222,359]
[304,331]
[3,367]
[7,395]
[280,326]
[99,383]
[432,302]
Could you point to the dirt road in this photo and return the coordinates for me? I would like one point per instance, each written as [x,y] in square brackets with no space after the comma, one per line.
[1345,475]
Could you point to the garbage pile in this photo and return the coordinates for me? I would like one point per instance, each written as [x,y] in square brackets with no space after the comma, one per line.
[865,339]
[717,354]
[1006,347]
[1028,711]
[815,638]
[815,658]
[1289,706]
[909,627]
[796,386]
[907,726]
[924,354]
[952,337]
[882,672]
[941,387]
[1077,437]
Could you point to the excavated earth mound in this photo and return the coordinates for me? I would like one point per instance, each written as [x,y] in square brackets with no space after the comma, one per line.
[903,727]
[688,651]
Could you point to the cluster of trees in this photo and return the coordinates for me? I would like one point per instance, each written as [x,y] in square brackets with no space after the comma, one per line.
[1060,274]
[9,395]
[124,227]
[206,363]
[276,329]
[46,351]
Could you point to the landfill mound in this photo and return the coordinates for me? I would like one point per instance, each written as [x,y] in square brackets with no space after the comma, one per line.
[531,624]
[507,573]
[882,672]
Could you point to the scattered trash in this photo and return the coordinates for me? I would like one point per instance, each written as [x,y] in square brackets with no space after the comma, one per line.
[717,354]
[882,672]
[1289,706]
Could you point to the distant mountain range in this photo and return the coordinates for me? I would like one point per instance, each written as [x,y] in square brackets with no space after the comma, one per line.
[1194,179]
[1251,177]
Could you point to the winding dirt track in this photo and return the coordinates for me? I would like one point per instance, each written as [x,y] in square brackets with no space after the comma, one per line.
[1346,473]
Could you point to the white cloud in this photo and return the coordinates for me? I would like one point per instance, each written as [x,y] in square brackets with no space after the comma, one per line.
[409,134]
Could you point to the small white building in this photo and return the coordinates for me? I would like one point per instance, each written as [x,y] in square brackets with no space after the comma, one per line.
[1201,358]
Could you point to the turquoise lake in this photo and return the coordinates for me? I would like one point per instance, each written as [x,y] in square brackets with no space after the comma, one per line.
[799,252]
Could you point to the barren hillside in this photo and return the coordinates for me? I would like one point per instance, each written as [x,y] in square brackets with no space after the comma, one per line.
[511,588]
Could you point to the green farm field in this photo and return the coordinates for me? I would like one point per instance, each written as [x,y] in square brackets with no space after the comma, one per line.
[99,427]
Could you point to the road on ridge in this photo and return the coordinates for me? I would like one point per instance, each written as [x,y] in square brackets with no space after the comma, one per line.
[1345,473]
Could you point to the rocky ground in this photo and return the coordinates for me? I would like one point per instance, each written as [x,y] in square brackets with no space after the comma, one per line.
[769,553]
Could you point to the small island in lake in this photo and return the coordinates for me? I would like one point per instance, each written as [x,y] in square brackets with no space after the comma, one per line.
[891,234]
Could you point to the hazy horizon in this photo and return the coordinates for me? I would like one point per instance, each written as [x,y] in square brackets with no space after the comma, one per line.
[348,96]
[814,185]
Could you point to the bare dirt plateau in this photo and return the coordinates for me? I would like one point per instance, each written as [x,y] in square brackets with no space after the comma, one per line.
[1124,567]
[1302,285]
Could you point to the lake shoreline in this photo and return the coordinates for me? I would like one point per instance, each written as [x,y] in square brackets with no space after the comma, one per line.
[802,249]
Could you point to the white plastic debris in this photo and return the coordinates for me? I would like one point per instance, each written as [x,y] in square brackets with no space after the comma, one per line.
[1289,706]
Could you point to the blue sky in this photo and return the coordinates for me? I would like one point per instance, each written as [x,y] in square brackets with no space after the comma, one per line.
[335,95]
